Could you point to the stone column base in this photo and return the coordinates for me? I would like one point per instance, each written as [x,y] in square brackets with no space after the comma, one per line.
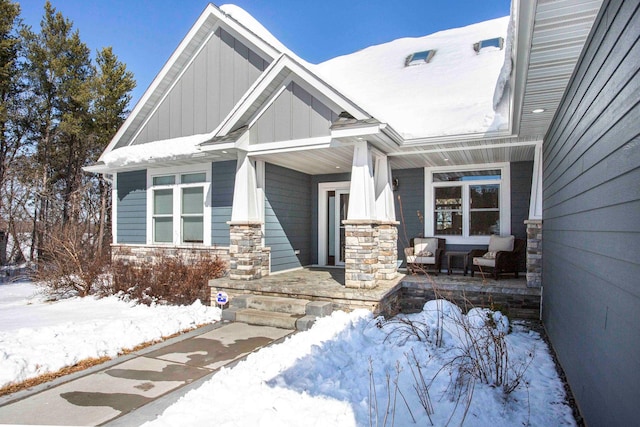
[534,253]
[246,254]
[371,251]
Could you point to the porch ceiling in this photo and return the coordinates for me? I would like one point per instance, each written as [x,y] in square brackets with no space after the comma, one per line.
[338,159]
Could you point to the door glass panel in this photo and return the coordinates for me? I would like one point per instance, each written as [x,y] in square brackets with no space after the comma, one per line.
[344,210]
[331,250]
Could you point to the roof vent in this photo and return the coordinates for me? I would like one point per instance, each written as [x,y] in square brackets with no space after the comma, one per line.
[418,58]
[494,42]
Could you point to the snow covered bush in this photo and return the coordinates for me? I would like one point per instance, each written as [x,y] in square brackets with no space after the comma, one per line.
[168,279]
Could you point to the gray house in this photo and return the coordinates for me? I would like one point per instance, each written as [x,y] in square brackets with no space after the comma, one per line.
[241,148]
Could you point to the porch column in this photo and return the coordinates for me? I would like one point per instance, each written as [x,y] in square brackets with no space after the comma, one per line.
[370,228]
[246,252]
[534,224]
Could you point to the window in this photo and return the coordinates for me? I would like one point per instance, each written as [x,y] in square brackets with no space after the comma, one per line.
[495,42]
[418,58]
[177,206]
[468,204]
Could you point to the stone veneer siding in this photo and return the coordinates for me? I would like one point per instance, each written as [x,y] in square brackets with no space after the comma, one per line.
[370,252]
[248,259]
[534,253]
[135,254]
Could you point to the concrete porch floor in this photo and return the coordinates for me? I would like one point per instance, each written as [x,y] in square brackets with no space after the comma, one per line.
[406,293]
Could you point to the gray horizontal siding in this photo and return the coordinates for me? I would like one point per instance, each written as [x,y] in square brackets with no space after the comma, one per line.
[132,207]
[591,213]
[222,183]
[409,201]
[287,217]
[295,114]
[207,90]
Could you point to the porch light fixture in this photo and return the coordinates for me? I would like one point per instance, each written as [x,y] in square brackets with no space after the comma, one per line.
[538,110]
[395,184]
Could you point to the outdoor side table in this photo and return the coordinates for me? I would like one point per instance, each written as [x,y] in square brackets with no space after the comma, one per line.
[465,261]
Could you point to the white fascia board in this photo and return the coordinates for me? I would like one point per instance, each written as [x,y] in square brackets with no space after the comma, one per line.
[525,12]
[356,131]
[290,145]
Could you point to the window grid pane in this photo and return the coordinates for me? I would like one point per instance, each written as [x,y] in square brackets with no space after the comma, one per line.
[190,178]
[164,180]
[163,230]
[192,229]
[192,200]
[163,202]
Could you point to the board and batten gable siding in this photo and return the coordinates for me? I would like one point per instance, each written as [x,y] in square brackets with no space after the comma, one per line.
[294,114]
[223,178]
[591,222]
[131,207]
[207,91]
[287,217]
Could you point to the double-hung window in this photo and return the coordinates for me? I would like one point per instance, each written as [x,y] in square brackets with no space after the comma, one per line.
[468,204]
[177,204]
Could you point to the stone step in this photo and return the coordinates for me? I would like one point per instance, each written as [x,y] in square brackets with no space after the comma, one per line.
[266,318]
[272,304]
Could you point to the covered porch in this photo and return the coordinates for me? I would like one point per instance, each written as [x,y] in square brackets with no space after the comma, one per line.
[404,293]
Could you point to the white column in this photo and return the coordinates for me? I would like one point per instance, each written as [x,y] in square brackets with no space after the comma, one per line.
[362,197]
[245,192]
[535,204]
[385,209]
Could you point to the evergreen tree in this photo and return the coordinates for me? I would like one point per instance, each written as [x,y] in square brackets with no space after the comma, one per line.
[10,91]
[112,93]
[59,73]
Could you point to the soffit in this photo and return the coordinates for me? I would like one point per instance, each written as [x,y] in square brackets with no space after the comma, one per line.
[560,29]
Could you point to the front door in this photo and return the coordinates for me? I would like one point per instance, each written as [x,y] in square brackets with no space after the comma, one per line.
[337,209]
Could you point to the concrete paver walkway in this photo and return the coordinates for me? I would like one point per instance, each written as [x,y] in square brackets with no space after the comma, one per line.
[152,378]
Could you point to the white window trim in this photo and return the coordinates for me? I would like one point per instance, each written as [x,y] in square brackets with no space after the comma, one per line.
[505,201]
[177,198]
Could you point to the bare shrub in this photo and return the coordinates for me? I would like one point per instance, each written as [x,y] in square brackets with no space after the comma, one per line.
[168,280]
[71,263]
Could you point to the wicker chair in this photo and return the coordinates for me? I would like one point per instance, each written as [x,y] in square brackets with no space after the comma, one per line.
[424,254]
[502,257]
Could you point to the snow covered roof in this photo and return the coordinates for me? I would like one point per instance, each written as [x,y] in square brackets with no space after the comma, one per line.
[451,94]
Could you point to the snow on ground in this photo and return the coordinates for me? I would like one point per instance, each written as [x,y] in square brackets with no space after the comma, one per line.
[331,375]
[323,377]
[39,336]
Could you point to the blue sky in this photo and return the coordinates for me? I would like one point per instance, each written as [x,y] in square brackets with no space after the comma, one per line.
[144,33]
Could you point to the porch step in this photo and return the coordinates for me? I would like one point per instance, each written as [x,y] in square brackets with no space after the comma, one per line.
[279,312]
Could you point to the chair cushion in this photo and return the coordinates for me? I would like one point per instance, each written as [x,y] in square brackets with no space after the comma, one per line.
[422,245]
[411,259]
[425,253]
[501,243]
[490,255]
[484,262]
